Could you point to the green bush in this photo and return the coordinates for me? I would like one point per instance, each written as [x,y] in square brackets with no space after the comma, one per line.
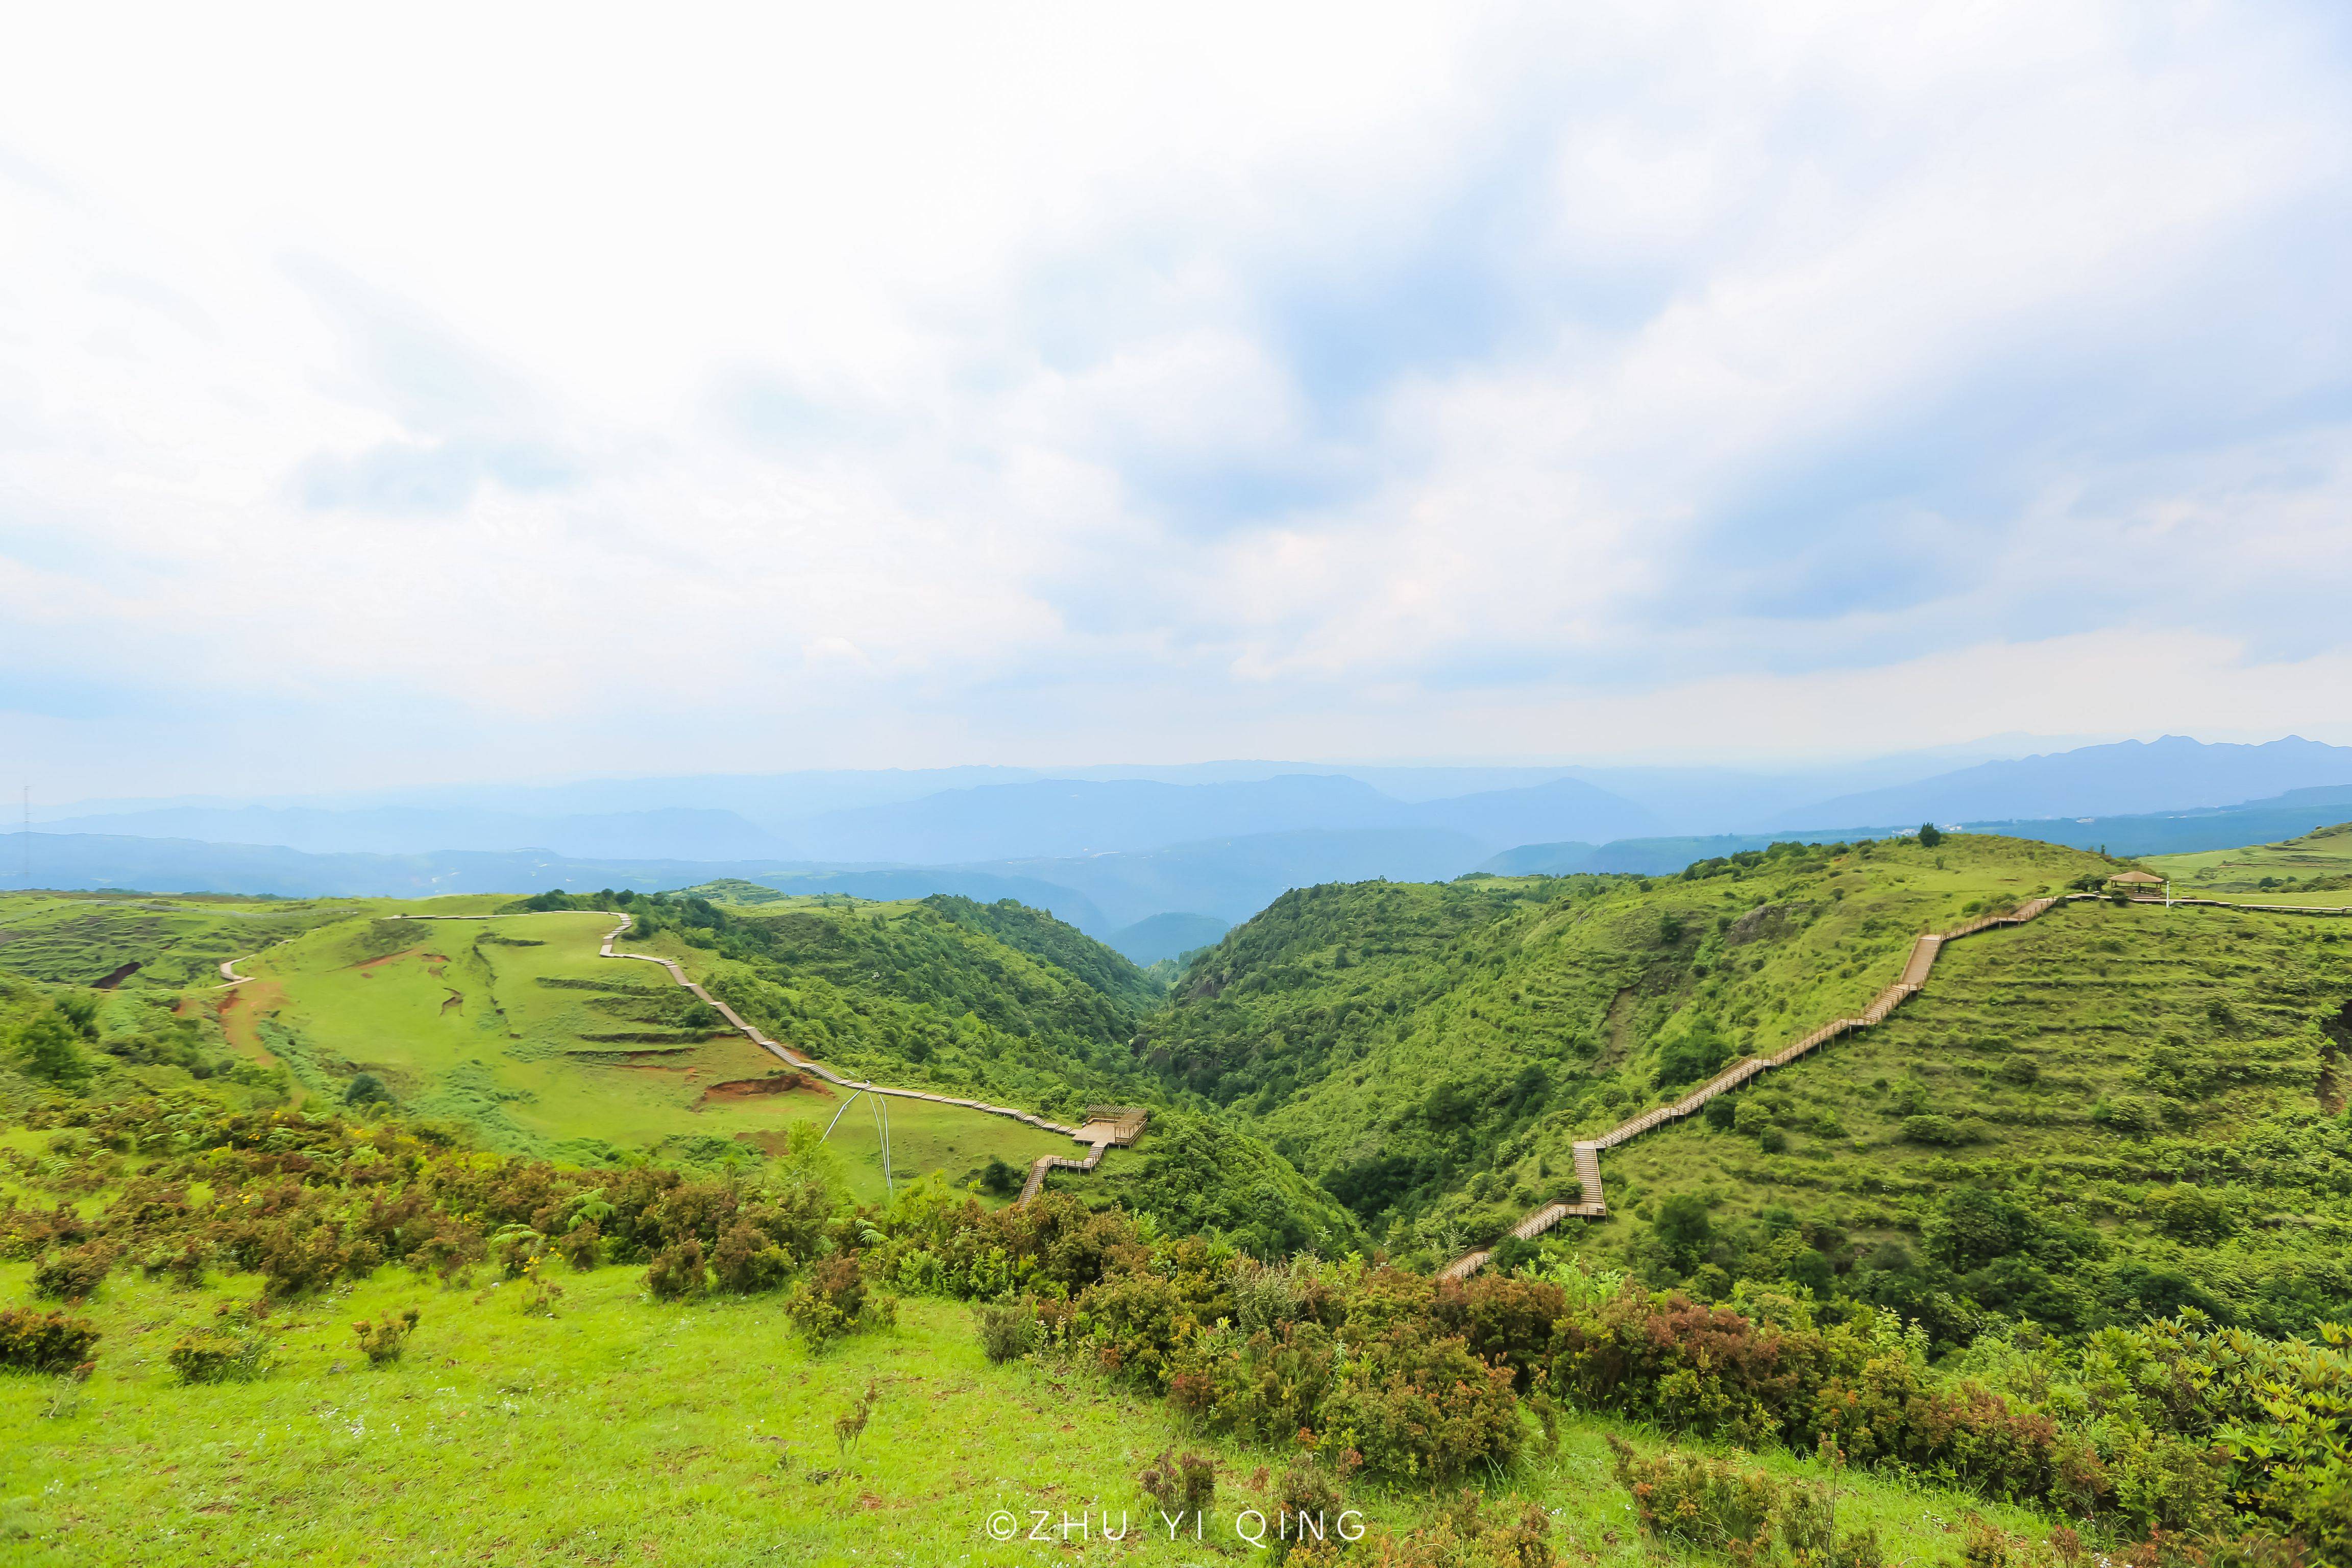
[582,1246]
[220,1358]
[746,1260]
[44,1341]
[1009,1332]
[1941,1131]
[382,1341]
[835,1301]
[677,1273]
[1697,1501]
[1421,1408]
[70,1273]
[1181,1486]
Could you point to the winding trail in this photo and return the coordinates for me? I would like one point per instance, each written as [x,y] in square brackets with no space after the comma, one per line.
[750,1032]
[1914,978]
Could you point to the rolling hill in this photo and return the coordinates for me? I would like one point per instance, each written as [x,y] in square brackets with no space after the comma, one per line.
[1432,1054]
[1962,1220]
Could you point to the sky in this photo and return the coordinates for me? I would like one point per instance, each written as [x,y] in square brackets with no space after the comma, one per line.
[529,392]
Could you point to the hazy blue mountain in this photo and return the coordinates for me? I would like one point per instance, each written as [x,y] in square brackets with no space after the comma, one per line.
[1560,808]
[1542,859]
[191,866]
[1173,935]
[1649,857]
[669,833]
[1055,818]
[1233,878]
[2126,778]
[1062,817]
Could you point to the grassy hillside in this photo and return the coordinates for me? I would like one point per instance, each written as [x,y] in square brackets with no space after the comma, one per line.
[905,993]
[1429,1051]
[2319,861]
[1066,948]
[2109,1109]
[143,941]
[508,1026]
[559,1401]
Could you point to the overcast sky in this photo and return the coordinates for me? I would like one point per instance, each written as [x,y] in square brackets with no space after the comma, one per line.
[521,391]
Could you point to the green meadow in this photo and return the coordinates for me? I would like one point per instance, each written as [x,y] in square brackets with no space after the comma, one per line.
[2296,870]
[625,1430]
[516,1028]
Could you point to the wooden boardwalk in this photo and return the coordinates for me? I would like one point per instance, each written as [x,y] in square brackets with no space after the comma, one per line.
[1915,969]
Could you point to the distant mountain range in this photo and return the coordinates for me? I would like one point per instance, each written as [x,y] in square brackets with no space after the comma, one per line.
[1111,848]
[2127,778]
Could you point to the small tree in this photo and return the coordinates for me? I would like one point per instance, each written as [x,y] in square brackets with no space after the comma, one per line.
[850,1424]
[1930,836]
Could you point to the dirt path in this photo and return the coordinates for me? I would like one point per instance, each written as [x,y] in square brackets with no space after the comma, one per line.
[1914,978]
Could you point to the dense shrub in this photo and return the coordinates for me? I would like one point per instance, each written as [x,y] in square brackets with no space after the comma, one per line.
[746,1260]
[835,1300]
[1182,1487]
[582,1246]
[1461,1536]
[1422,1408]
[678,1272]
[1697,1501]
[1007,1331]
[39,1341]
[70,1273]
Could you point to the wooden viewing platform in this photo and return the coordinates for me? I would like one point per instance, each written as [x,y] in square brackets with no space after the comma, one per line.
[1106,1127]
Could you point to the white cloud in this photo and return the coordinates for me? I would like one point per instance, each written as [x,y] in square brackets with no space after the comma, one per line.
[562,391]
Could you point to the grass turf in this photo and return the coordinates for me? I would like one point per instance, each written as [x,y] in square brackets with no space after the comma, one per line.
[625,1432]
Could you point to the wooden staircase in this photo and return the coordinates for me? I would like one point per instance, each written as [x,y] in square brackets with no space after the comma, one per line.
[1915,969]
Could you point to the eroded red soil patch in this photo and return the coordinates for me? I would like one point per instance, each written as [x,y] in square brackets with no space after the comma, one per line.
[746,1087]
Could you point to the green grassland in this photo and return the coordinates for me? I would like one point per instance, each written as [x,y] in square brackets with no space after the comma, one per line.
[2319,861]
[517,1028]
[81,938]
[629,1431]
